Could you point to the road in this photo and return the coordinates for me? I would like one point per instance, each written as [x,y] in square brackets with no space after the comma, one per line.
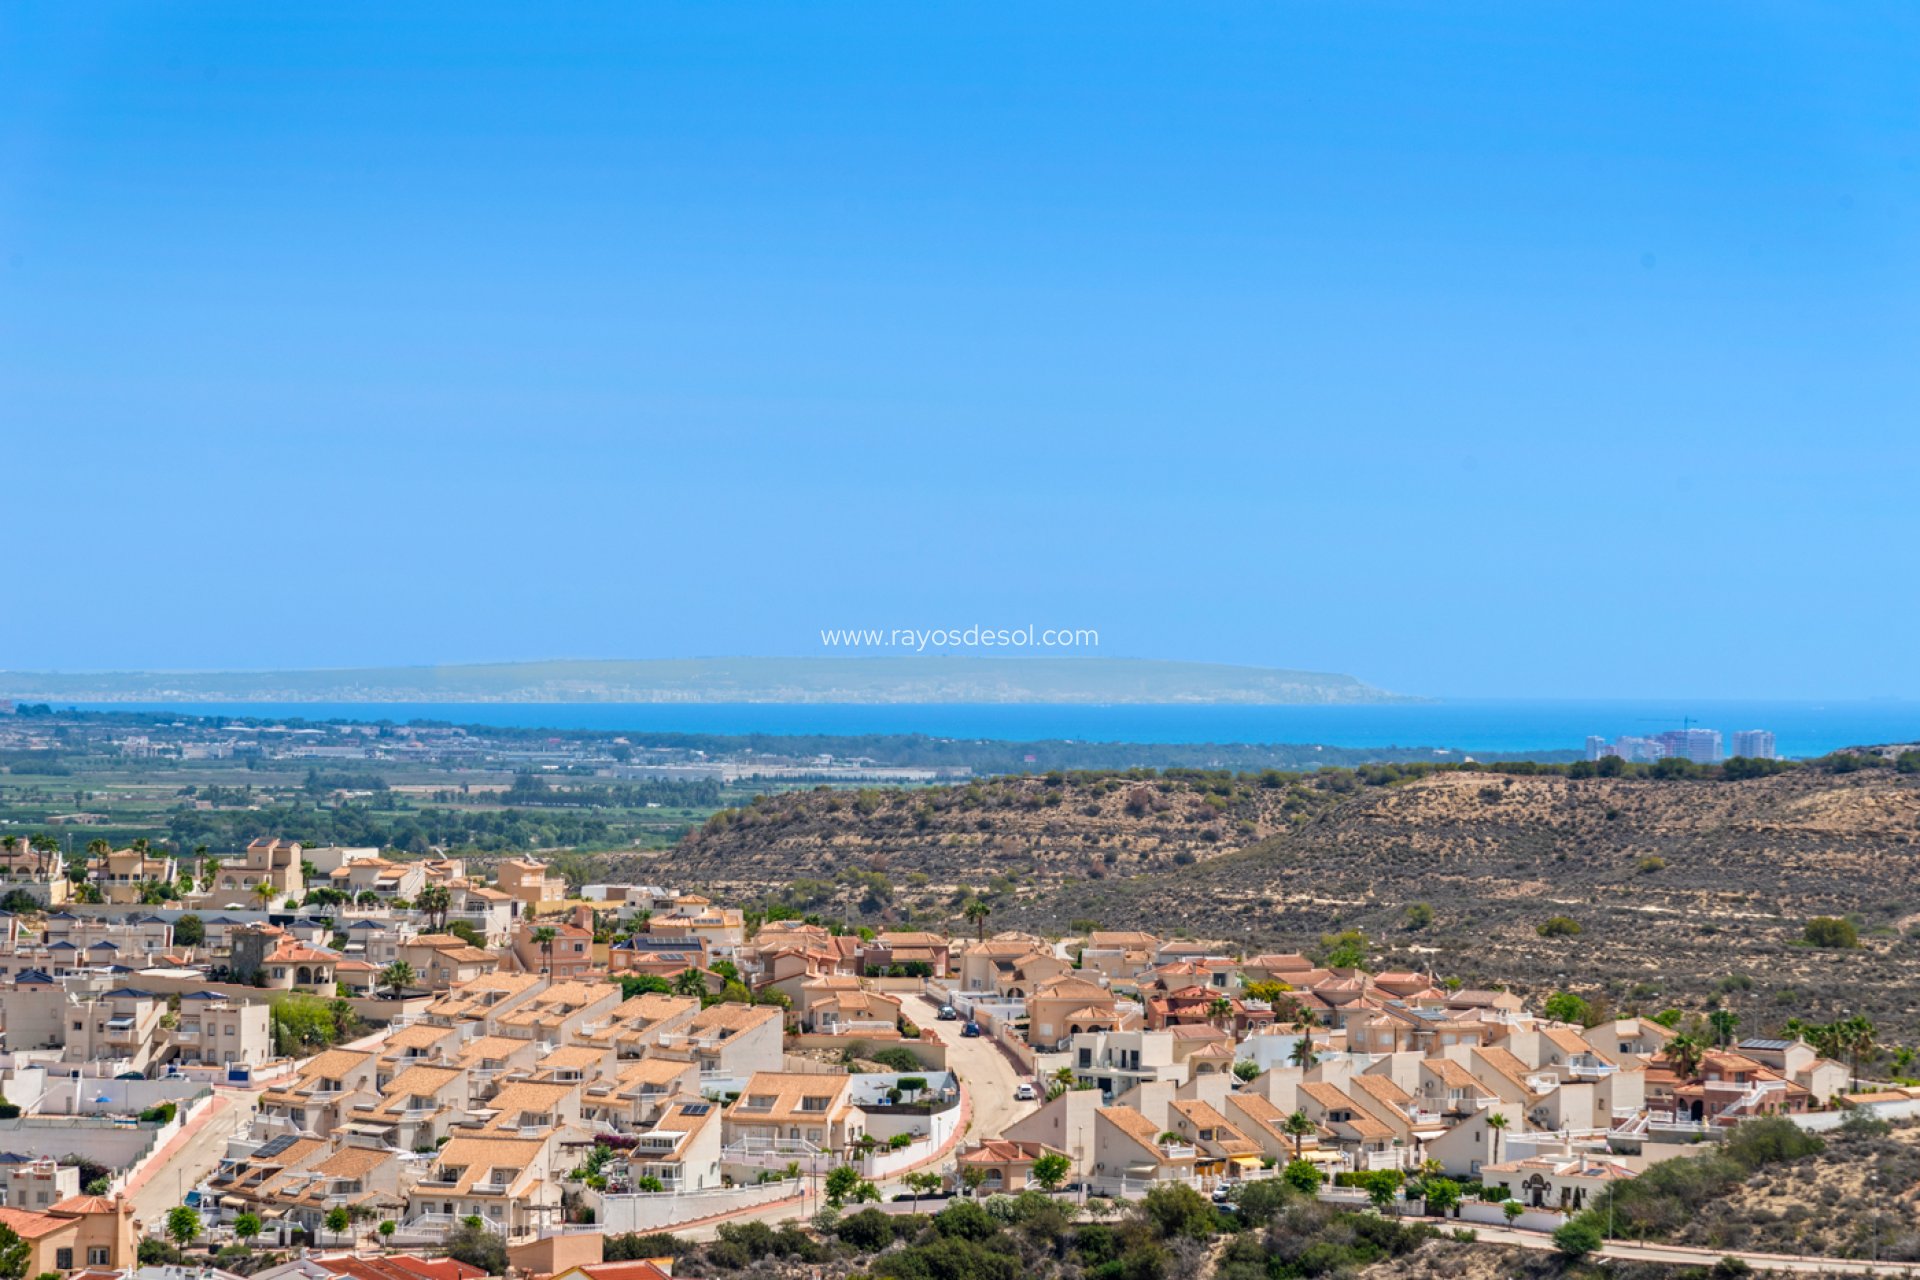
[987,1072]
[1637,1251]
[190,1157]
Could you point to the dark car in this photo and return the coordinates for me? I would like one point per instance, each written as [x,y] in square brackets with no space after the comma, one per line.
[971,1029]
[947,1014]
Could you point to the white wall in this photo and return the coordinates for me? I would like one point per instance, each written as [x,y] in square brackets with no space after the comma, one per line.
[654,1212]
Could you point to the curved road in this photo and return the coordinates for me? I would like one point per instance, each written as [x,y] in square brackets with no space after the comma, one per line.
[987,1072]
[988,1076]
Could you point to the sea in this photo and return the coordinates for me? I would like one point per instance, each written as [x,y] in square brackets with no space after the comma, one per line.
[1800,728]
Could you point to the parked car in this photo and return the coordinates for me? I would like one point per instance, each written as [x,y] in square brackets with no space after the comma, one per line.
[1025,1092]
[947,1014]
[970,1030]
[1223,1191]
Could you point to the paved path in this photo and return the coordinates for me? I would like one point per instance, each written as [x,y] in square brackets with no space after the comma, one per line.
[188,1156]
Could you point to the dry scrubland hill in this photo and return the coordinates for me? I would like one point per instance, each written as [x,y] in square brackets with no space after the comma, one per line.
[1684,890]
[1046,831]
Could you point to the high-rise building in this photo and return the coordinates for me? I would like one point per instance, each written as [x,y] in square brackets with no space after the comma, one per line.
[1754,744]
[1702,746]
[1596,746]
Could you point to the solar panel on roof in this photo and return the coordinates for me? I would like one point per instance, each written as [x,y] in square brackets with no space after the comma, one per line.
[695,1108]
[275,1146]
[1766,1044]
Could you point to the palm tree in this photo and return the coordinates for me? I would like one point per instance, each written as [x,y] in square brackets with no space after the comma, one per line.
[1218,1010]
[1854,1036]
[45,846]
[1683,1054]
[434,902]
[264,892]
[543,938]
[397,976]
[1303,1055]
[1497,1126]
[1298,1127]
[976,912]
[690,982]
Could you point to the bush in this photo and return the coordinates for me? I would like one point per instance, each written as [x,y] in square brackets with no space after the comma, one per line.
[1558,927]
[1175,1211]
[1577,1239]
[869,1230]
[966,1220]
[1831,932]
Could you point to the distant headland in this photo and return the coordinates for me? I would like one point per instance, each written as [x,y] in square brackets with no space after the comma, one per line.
[916,679]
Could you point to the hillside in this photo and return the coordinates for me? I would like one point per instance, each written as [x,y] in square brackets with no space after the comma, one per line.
[936,678]
[1684,891]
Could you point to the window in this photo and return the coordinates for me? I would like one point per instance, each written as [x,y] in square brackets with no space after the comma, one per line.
[99,1256]
[63,1259]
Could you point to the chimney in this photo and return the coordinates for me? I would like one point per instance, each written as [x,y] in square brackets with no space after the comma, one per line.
[583,917]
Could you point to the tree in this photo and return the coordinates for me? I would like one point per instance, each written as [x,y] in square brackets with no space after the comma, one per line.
[1497,1128]
[1344,950]
[544,938]
[16,1255]
[246,1227]
[640,984]
[1683,1053]
[1298,1127]
[472,1243]
[1564,1006]
[1723,1022]
[1558,927]
[1302,1175]
[339,1220]
[976,912]
[264,893]
[973,1177]
[434,902]
[924,1182]
[387,1229]
[1831,932]
[1442,1194]
[1418,915]
[1303,1054]
[1513,1209]
[1246,1069]
[183,1226]
[1576,1239]
[397,976]
[690,982]
[1219,1009]
[842,1181]
[1051,1169]
[189,931]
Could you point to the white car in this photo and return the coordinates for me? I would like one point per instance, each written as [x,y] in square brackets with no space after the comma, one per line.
[1025,1093]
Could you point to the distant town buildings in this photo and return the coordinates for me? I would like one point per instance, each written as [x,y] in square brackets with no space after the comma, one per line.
[1702,746]
[1631,749]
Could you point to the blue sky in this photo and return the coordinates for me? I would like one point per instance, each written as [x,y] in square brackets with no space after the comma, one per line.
[1530,350]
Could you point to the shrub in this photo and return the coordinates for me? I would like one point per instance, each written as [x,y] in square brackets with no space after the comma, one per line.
[1577,1239]
[1558,927]
[869,1230]
[1831,932]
